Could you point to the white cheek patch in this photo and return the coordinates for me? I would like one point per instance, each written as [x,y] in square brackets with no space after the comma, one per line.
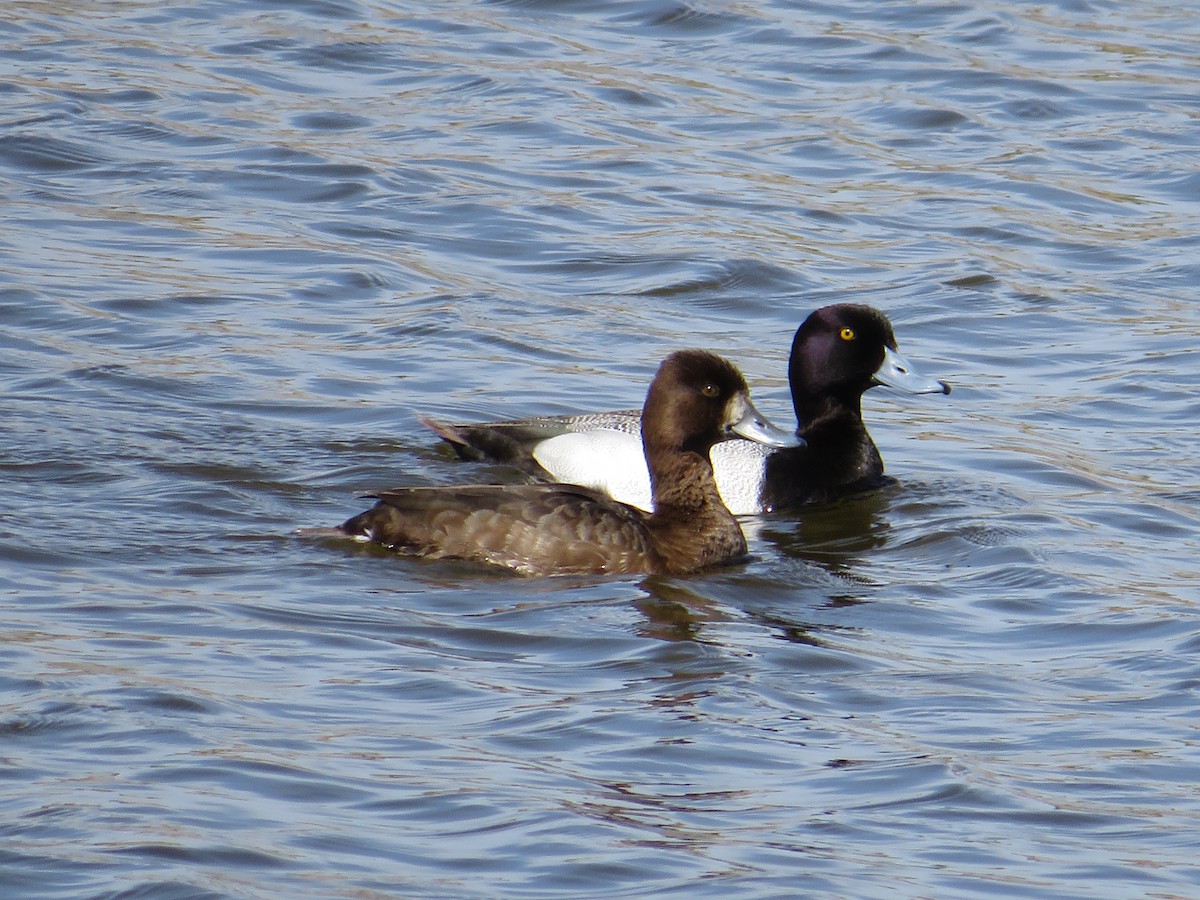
[609,461]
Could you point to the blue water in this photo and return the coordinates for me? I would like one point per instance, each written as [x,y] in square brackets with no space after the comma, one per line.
[245,244]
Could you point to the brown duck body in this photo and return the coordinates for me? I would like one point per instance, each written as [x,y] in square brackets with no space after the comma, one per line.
[547,529]
[550,529]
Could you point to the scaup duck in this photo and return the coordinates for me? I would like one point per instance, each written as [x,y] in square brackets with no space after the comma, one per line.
[695,400]
[838,353]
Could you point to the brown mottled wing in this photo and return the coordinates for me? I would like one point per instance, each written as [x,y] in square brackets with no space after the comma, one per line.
[534,529]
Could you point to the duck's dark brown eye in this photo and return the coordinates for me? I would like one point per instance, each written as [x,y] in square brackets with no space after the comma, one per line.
[847,334]
[710,390]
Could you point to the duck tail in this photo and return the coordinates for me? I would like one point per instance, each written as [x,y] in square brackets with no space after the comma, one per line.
[456,437]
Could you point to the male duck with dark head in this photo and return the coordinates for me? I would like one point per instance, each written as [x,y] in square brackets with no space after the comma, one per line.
[838,353]
[695,400]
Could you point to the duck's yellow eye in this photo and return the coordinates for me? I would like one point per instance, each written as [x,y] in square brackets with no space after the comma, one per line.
[847,334]
[710,390]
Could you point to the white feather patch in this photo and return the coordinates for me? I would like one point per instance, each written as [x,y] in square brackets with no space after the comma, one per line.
[741,471]
[610,461]
[613,462]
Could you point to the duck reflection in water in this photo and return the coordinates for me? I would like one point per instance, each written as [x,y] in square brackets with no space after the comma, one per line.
[823,551]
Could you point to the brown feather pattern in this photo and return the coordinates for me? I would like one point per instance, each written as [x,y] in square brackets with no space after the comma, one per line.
[549,529]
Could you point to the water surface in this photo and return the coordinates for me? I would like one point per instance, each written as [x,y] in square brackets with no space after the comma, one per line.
[246,244]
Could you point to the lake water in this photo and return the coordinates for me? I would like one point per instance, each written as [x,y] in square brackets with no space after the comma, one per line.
[245,244]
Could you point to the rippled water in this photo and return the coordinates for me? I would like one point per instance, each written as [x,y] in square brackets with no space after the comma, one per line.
[245,244]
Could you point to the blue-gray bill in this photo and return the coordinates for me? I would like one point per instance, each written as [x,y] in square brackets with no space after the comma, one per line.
[754,426]
[897,372]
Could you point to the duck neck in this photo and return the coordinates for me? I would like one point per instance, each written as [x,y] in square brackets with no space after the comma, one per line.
[691,526]
[845,405]
[840,451]
[682,480]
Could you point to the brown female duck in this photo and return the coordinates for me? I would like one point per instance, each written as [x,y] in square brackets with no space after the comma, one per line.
[695,400]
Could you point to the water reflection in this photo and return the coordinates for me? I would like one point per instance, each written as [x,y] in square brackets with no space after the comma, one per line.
[703,610]
[834,536]
[676,611]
